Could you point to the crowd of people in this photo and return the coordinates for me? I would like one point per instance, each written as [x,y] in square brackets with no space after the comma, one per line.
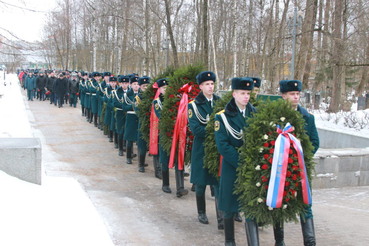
[111,104]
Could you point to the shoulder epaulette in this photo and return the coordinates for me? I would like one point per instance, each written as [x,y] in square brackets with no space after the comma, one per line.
[222,111]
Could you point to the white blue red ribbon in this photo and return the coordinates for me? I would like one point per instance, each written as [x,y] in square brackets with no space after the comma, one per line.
[279,168]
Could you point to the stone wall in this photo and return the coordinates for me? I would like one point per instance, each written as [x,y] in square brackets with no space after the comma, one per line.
[21,158]
[337,168]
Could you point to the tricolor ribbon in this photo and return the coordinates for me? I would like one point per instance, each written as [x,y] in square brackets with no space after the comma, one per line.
[154,124]
[180,130]
[279,168]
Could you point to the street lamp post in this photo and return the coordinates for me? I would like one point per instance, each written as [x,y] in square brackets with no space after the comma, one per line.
[292,24]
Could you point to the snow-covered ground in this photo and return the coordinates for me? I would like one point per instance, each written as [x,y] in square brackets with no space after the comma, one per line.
[58,212]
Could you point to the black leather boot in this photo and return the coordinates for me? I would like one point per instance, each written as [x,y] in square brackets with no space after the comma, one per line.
[157,167]
[229,232]
[237,217]
[279,234]
[83,110]
[212,190]
[165,186]
[193,187]
[124,144]
[219,216]
[129,155]
[115,140]
[141,163]
[95,120]
[90,116]
[181,191]
[133,154]
[120,147]
[308,232]
[252,233]
[110,136]
[201,209]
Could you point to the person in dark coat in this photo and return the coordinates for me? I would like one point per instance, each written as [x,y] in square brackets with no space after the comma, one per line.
[100,97]
[73,89]
[92,88]
[229,124]
[131,122]
[143,82]
[30,85]
[61,88]
[82,90]
[49,86]
[109,110]
[290,90]
[199,111]
[119,97]
[41,84]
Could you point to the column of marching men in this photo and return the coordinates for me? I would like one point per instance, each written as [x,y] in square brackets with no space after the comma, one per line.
[111,104]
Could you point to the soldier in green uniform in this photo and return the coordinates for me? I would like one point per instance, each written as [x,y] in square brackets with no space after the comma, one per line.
[120,114]
[229,125]
[100,97]
[163,155]
[290,90]
[82,89]
[199,111]
[143,82]
[130,130]
[88,99]
[108,99]
[93,86]
[257,83]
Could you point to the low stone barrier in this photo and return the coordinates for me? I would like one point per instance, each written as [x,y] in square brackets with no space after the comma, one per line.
[21,158]
[337,168]
[335,139]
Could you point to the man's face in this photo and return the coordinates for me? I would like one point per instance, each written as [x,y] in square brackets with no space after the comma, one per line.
[97,78]
[106,78]
[85,77]
[135,86]
[144,87]
[293,97]
[241,97]
[124,85]
[207,88]
[74,78]
[162,89]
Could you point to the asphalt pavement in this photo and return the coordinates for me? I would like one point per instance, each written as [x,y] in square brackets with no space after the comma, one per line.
[137,212]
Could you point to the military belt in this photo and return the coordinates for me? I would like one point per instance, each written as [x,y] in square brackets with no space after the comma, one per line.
[119,109]
[131,112]
[94,94]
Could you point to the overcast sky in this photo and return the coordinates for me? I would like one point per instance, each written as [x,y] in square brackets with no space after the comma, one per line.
[24,18]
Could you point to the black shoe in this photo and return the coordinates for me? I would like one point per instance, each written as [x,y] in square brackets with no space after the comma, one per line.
[186,174]
[165,186]
[237,217]
[212,190]
[193,187]
[129,155]
[201,209]
[308,232]
[129,161]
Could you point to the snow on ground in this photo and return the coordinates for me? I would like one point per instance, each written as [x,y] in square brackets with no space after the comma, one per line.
[58,212]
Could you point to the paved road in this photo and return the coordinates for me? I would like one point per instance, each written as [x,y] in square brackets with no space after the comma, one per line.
[136,211]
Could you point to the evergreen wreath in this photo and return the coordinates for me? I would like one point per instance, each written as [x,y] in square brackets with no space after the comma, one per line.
[256,157]
[144,111]
[212,155]
[172,97]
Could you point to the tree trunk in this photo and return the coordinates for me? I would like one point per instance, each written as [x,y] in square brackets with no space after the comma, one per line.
[206,36]
[170,32]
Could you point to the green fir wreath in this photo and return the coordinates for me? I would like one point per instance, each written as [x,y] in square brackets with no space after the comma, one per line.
[144,111]
[172,98]
[212,155]
[256,158]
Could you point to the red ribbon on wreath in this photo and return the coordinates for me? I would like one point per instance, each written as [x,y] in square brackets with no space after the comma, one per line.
[154,124]
[180,129]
